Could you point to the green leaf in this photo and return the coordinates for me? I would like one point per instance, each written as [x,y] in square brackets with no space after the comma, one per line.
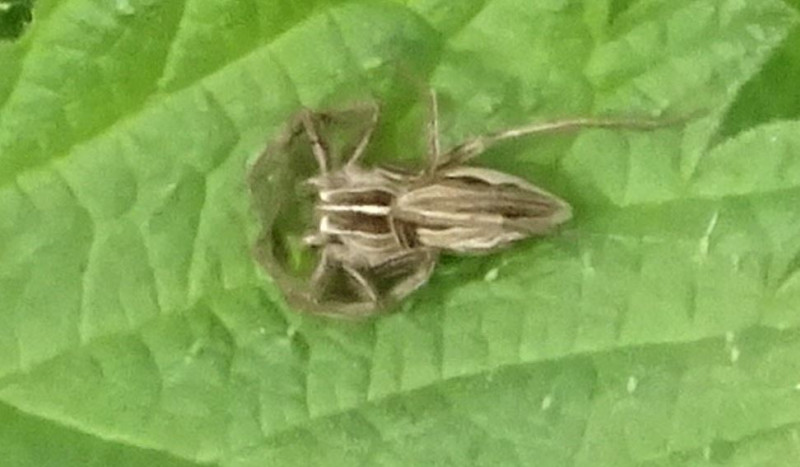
[30,440]
[14,15]
[660,328]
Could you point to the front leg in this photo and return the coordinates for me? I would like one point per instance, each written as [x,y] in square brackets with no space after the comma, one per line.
[310,122]
[434,148]
[473,147]
[308,119]
[372,121]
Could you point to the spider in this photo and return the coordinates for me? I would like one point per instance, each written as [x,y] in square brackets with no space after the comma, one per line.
[379,231]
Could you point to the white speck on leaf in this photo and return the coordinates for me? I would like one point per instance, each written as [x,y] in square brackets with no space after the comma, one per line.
[491,276]
[756,32]
[735,352]
[372,63]
[736,262]
[196,348]
[705,239]
[547,402]
[729,337]
[633,383]
[124,7]
[707,452]
[193,351]
[586,261]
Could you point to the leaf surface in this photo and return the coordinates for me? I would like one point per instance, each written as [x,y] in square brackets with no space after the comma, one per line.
[660,328]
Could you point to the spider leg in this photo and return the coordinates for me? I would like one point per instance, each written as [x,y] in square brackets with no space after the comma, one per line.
[333,258]
[425,262]
[475,146]
[308,120]
[413,268]
[374,112]
[434,149]
[365,286]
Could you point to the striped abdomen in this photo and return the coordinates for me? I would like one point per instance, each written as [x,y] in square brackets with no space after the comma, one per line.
[477,210]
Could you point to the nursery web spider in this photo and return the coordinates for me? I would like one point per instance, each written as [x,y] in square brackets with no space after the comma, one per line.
[379,231]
